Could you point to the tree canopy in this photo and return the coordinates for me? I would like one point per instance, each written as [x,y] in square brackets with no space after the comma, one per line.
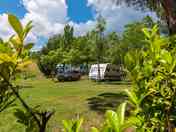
[165,9]
[94,47]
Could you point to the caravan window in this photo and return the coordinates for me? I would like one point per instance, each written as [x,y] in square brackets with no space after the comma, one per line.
[60,69]
[95,69]
[108,69]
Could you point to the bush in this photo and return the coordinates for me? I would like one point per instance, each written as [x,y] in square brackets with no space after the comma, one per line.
[153,74]
[47,63]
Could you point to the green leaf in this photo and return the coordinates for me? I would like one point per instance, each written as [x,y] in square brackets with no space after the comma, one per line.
[67,125]
[133,122]
[6,58]
[72,125]
[78,124]
[16,42]
[16,25]
[93,129]
[27,29]
[121,113]
[28,46]
[5,72]
[4,48]
[132,97]
[112,120]
[166,56]
[146,32]
[154,30]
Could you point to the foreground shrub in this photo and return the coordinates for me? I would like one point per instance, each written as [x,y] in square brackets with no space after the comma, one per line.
[72,125]
[153,74]
[14,57]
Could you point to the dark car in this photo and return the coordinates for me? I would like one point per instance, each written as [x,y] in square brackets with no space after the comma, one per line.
[72,75]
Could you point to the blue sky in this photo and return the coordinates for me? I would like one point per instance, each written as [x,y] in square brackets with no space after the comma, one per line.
[50,16]
[14,7]
[77,11]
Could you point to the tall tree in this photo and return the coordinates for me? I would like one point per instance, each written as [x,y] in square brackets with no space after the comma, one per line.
[113,42]
[68,37]
[131,39]
[54,42]
[100,28]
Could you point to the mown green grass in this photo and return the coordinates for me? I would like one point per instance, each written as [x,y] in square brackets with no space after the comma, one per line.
[67,99]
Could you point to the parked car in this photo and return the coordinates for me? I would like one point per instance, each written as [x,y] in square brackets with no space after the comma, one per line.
[108,71]
[66,73]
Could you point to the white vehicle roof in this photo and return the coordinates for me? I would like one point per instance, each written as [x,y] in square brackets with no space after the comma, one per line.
[101,65]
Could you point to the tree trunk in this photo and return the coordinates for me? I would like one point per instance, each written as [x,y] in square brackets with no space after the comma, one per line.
[42,128]
[99,73]
[169,7]
[168,124]
[87,67]
[45,116]
[99,55]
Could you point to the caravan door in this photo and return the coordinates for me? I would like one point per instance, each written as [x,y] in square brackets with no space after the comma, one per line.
[93,73]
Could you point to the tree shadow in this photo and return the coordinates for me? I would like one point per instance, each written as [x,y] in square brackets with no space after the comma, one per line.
[112,82]
[117,83]
[25,86]
[106,101]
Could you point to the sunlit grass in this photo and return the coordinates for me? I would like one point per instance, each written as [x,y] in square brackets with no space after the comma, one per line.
[67,99]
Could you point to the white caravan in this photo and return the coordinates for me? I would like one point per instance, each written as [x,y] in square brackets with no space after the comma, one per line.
[107,72]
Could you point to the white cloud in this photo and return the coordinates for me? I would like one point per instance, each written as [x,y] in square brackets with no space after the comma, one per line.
[50,16]
[100,5]
[116,16]
[82,28]
[5,30]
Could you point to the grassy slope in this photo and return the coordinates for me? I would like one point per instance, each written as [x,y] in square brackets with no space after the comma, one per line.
[68,99]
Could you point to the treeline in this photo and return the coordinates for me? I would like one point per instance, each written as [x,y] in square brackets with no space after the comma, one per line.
[94,47]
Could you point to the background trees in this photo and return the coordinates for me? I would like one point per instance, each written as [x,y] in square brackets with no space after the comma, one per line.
[152,73]
[94,47]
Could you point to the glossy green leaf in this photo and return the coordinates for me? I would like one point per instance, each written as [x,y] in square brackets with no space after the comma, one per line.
[146,32]
[28,46]
[113,120]
[72,125]
[16,25]
[93,129]
[27,28]
[121,113]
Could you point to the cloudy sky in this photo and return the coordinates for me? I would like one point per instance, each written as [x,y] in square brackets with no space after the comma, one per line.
[50,16]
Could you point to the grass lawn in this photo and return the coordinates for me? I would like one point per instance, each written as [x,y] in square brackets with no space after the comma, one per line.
[68,99]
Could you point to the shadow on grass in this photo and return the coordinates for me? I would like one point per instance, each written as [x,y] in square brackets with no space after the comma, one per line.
[106,101]
[25,86]
[117,82]
[112,82]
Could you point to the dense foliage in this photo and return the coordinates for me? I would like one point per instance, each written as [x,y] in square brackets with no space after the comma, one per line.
[94,47]
[152,72]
